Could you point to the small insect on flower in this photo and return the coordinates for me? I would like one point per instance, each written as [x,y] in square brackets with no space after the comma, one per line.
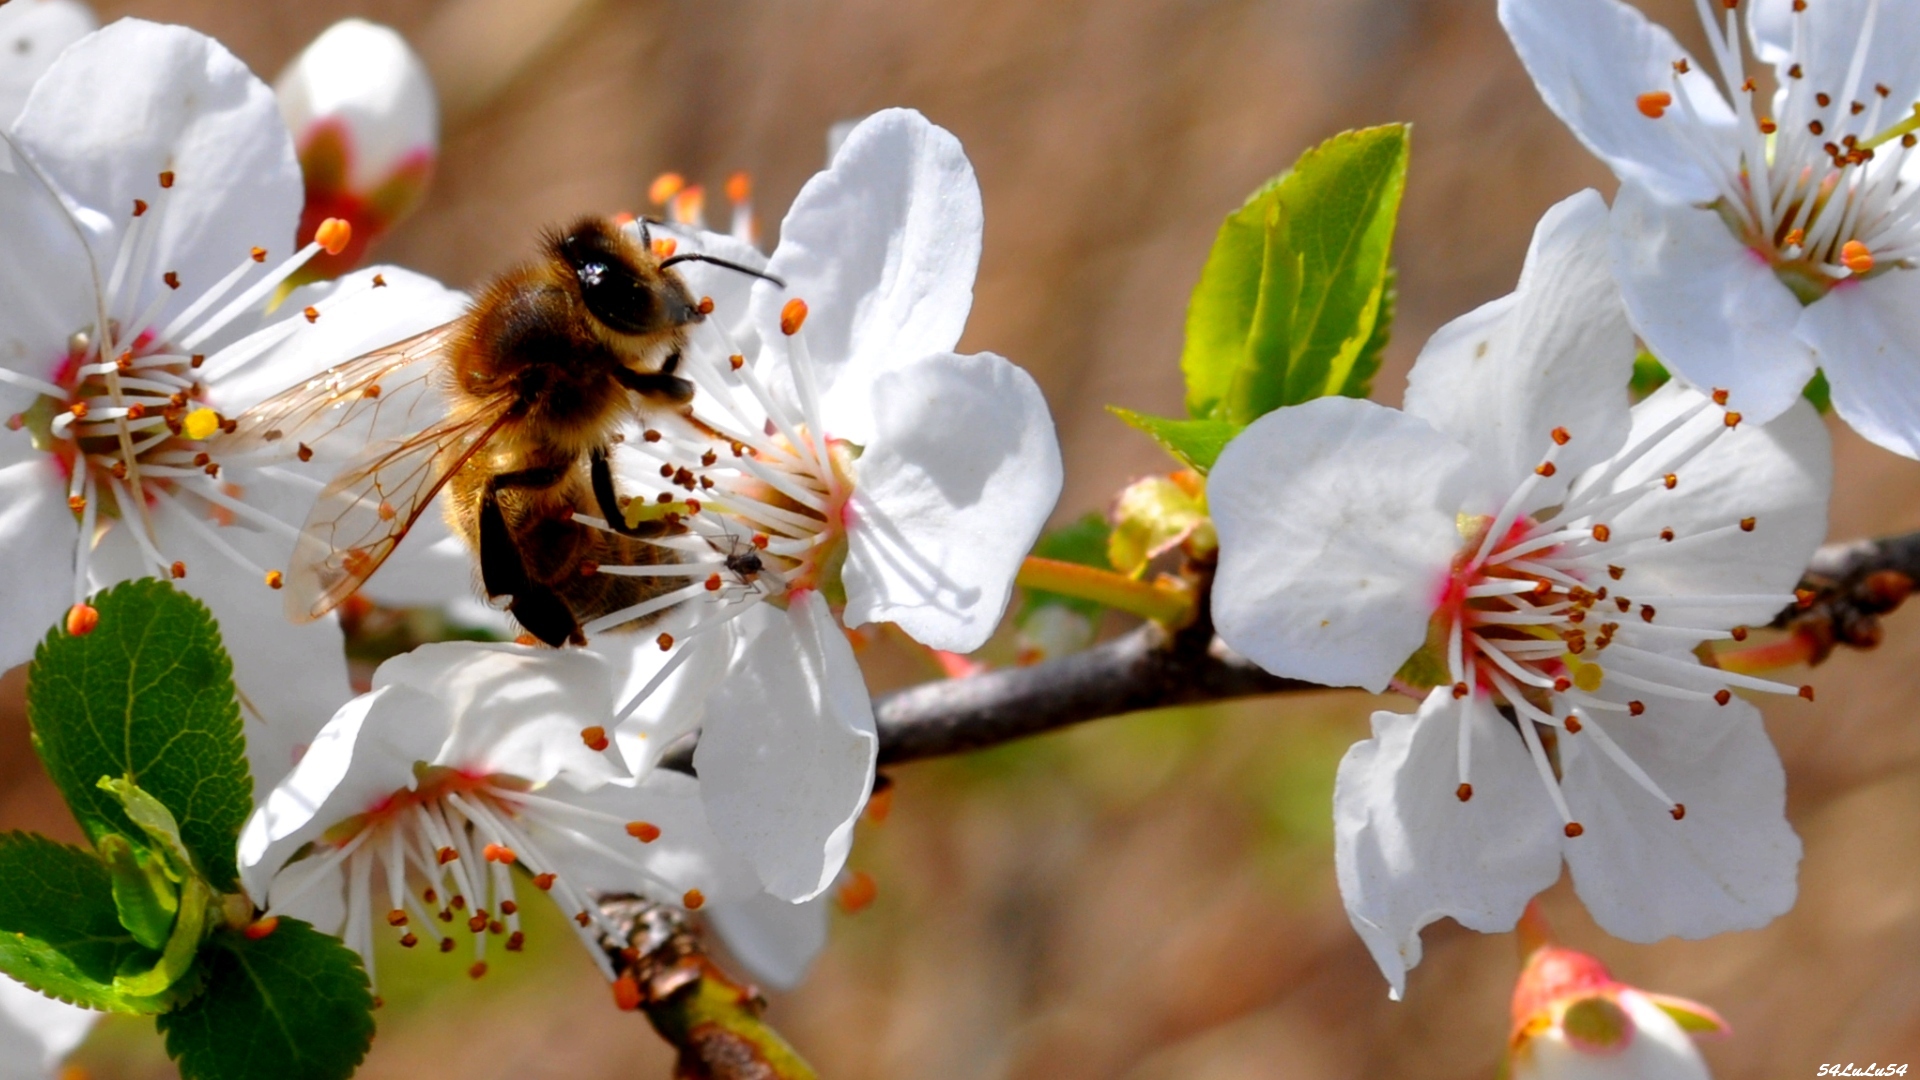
[535,377]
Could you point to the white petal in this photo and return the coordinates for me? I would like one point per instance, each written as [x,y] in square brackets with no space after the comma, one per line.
[367,318]
[136,99]
[678,706]
[38,532]
[1730,864]
[1557,353]
[1709,308]
[1778,474]
[517,710]
[1337,522]
[1866,336]
[1408,852]
[46,286]
[37,1032]
[32,35]
[1830,35]
[1658,1050]
[363,755]
[949,496]
[363,77]
[774,940]
[1592,59]
[685,856]
[882,246]
[786,760]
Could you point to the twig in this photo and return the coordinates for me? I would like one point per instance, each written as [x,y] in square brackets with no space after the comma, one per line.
[1847,588]
[711,1020]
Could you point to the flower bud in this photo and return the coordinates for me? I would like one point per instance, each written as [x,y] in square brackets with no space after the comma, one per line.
[32,33]
[362,112]
[1573,1021]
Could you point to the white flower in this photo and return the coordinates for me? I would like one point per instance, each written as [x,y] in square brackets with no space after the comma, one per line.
[1572,1020]
[153,180]
[367,127]
[37,1032]
[418,804]
[1517,540]
[774,940]
[32,34]
[1755,242]
[856,463]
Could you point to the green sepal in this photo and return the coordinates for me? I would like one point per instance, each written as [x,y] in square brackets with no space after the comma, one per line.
[1154,515]
[145,896]
[1819,392]
[1290,304]
[183,946]
[1194,443]
[1649,374]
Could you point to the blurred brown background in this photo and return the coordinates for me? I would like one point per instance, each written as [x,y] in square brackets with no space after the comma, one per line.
[1154,896]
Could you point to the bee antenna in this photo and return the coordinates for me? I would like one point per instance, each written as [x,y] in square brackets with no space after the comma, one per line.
[694,256]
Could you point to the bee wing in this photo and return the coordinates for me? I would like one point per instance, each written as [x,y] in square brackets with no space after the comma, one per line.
[361,516]
[381,395]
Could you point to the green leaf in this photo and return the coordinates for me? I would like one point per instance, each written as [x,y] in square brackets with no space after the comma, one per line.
[293,1005]
[60,932]
[145,900]
[148,697]
[1649,374]
[1289,305]
[1195,443]
[1084,543]
[1365,366]
[1819,393]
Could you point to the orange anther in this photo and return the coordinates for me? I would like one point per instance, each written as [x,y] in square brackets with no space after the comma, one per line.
[499,853]
[858,893]
[1635,708]
[178,570]
[408,940]
[705,306]
[478,969]
[1803,598]
[880,803]
[1653,104]
[736,361]
[1672,481]
[1464,792]
[1722,696]
[1719,397]
[739,187]
[664,247]
[261,927]
[665,641]
[259,254]
[275,579]
[76,503]
[1679,811]
[1602,533]
[664,187]
[1667,535]
[644,831]
[583,918]
[1746,524]
[543,882]
[478,924]
[792,316]
[1545,468]
[1855,257]
[1795,238]
[139,207]
[1573,725]
[626,992]
[446,944]
[396,917]
[1807,692]
[595,737]
[1560,436]
[333,235]
[516,941]
[172,279]
[1562,684]
[166,179]
[81,619]
[693,899]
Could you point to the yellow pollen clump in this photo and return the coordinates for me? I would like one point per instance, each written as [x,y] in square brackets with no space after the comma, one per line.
[200,423]
[1653,104]
[333,235]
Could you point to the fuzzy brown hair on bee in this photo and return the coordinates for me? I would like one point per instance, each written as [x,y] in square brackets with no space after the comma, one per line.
[539,375]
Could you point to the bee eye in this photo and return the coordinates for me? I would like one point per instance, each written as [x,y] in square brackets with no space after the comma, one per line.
[617,298]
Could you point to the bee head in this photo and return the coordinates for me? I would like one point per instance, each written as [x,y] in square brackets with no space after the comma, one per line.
[620,286]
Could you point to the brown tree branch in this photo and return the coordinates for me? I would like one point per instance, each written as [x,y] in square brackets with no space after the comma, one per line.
[1847,588]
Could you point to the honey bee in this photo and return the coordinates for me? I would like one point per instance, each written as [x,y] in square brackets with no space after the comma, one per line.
[538,376]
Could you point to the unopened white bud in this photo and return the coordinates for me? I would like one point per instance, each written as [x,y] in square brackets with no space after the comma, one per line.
[363,80]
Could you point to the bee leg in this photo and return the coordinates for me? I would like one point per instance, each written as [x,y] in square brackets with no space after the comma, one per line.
[601,471]
[662,385]
[503,573]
